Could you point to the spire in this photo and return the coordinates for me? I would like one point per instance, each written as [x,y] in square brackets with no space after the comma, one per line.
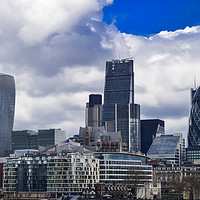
[195,83]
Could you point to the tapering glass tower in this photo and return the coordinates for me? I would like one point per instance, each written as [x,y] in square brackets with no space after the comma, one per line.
[194,119]
[119,109]
[7,107]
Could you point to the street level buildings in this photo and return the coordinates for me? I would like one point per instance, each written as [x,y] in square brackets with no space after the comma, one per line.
[66,173]
[7,108]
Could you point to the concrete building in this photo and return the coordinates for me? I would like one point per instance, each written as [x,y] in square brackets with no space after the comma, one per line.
[100,139]
[93,111]
[71,173]
[7,108]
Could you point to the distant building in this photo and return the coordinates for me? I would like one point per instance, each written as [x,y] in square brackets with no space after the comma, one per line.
[48,137]
[193,153]
[194,125]
[149,129]
[102,140]
[170,148]
[7,108]
[29,139]
[24,139]
[93,111]
[119,111]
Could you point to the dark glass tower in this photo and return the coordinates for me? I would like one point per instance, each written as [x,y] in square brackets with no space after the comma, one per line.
[149,129]
[7,108]
[194,119]
[119,109]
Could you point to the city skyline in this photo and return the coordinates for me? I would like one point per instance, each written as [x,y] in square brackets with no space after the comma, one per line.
[57,67]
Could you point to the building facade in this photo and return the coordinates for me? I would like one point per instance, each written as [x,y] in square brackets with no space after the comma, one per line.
[7,108]
[24,139]
[93,111]
[100,139]
[71,173]
[194,119]
[193,153]
[48,137]
[119,111]
[149,129]
[26,173]
[170,148]
[115,168]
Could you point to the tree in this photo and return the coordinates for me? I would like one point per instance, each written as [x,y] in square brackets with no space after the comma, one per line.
[134,179]
[178,184]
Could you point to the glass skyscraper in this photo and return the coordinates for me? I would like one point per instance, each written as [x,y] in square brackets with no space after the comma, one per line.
[119,111]
[7,108]
[194,119]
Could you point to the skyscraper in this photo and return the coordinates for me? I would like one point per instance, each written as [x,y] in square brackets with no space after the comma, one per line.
[194,119]
[119,111]
[93,111]
[7,108]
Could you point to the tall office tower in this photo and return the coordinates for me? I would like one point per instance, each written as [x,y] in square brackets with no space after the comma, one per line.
[149,129]
[93,111]
[119,111]
[194,119]
[7,108]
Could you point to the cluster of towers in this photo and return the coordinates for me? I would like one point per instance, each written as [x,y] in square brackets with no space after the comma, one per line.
[119,112]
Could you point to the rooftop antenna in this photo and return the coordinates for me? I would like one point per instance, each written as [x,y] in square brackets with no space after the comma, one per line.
[195,82]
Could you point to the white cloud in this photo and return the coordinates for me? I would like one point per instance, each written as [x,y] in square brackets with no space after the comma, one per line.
[57,51]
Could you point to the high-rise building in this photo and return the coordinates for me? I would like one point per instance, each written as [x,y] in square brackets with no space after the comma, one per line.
[48,137]
[7,108]
[93,111]
[194,119]
[149,129]
[119,111]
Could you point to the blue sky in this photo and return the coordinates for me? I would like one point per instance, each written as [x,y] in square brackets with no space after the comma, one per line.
[57,67]
[147,17]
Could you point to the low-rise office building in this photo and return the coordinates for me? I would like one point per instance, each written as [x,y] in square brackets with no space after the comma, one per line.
[170,148]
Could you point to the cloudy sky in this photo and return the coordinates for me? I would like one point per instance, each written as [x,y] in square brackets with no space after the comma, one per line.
[57,50]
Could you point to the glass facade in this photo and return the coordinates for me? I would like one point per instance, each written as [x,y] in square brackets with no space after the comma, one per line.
[7,108]
[119,111]
[193,153]
[168,147]
[25,139]
[114,167]
[194,119]
[119,86]
[149,129]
